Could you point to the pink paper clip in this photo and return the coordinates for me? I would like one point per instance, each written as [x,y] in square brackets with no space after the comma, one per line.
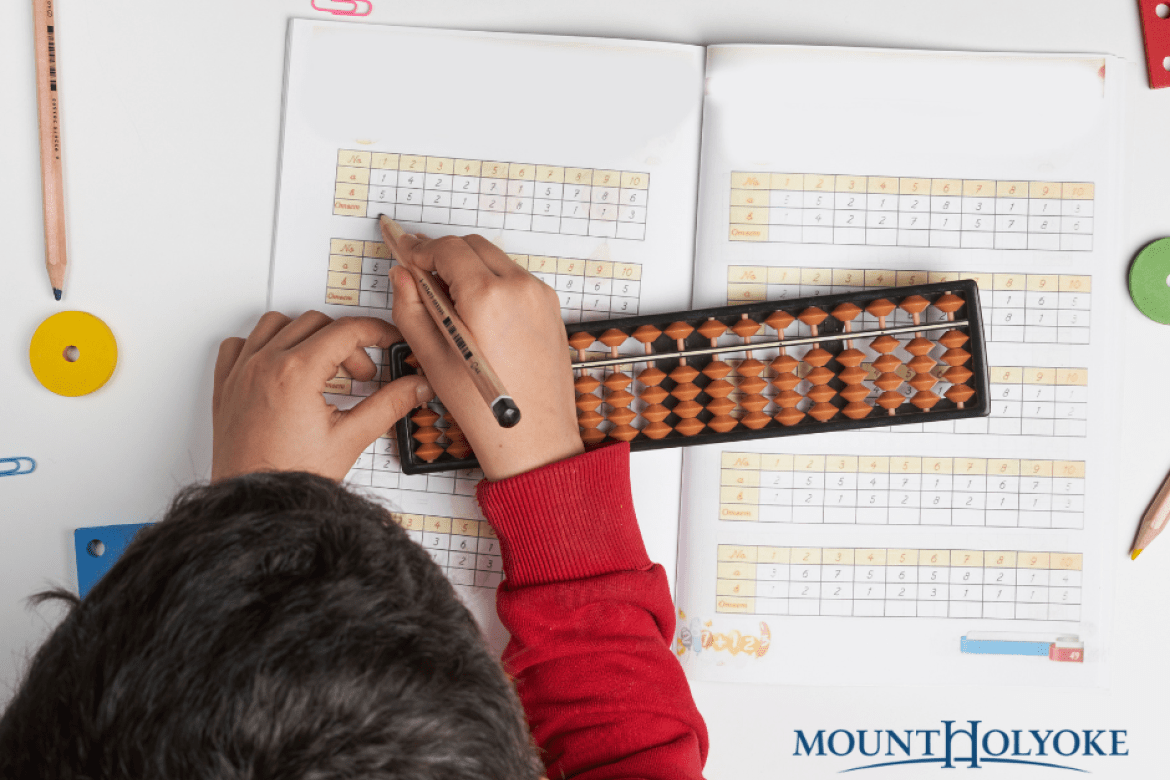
[345,7]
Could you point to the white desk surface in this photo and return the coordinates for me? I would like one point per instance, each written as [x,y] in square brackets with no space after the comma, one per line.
[171,122]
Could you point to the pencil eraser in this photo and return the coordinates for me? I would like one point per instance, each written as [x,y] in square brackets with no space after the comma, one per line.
[1155,15]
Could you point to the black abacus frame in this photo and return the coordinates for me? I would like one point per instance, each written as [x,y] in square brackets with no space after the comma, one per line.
[907,413]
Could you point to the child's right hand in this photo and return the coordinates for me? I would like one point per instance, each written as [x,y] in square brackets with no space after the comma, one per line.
[516,320]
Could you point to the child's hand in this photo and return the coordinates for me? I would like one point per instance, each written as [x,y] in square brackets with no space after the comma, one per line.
[267,409]
[516,320]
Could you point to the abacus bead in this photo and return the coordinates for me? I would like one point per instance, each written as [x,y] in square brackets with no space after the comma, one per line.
[623,433]
[411,360]
[581,340]
[821,394]
[429,452]
[750,367]
[712,329]
[956,357]
[656,430]
[953,338]
[618,381]
[586,383]
[689,426]
[919,346]
[850,357]
[786,381]
[754,402]
[886,363]
[880,308]
[753,384]
[651,376]
[924,399]
[622,416]
[817,357]
[890,399]
[922,364]
[745,328]
[888,381]
[716,369]
[589,419]
[779,320]
[679,330]
[686,391]
[788,398]
[915,304]
[720,388]
[619,398]
[722,423]
[922,381]
[948,302]
[654,395]
[687,409]
[959,393]
[812,316]
[682,374]
[424,417]
[459,449]
[613,338]
[784,364]
[846,312]
[449,418]
[854,393]
[853,375]
[427,435]
[957,375]
[820,376]
[857,410]
[721,406]
[755,420]
[823,412]
[647,333]
[592,436]
[884,344]
[587,402]
[455,433]
[656,413]
[790,416]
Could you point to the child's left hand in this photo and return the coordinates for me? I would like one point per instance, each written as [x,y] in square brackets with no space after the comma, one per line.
[267,409]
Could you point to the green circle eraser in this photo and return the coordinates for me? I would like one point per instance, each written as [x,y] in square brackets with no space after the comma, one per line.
[1149,281]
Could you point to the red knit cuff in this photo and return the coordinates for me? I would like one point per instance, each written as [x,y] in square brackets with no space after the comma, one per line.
[567,520]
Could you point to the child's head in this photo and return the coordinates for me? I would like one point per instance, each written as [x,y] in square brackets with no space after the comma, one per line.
[271,626]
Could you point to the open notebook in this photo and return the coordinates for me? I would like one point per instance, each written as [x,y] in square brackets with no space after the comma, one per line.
[645,177]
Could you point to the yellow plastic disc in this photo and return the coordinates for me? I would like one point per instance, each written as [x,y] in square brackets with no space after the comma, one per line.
[73,353]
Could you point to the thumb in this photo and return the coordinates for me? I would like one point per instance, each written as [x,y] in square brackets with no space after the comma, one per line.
[374,415]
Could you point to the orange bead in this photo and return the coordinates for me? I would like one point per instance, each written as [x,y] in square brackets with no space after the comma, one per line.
[651,376]
[924,399]
[618,381]
[745,328]
[959,394]
[786,381]
[820,376]
[956,357]
[754,402]
[888,381]
[623,433]
[429,452]
[880,308]
[654,395]
[919,346]
[784,364]
[853,375]
[622,416]
[687,409]
[685,392]
[587,402]
[592,436]
[886,363]
[721,406]
[411,360]
[755,420]
[957,375]
[720,388]
[846,312]
[647,333]
[823,412]
[581,340]
[752,384]
[716,369]
[884,344]
[922,364]
[789,416]
[854,393]
[779,320]
[922,381]
[586,383]
[851,357]
[683,374]
[425,417]
[427,435]
[722,423]
[589,419]
[915,304]
[749,367]
[689,426]
[455,433]
[712,329]
[821,394]
[613,338]
[788,399]
[857,410]
[953,338]
[891,399]
[656,413]
[948,302]
[679,330]
[656,430]
[817,357]
[619,398]
[459,449]
[812,316]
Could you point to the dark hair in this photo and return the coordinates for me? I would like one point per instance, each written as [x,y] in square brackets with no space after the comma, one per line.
[271,626]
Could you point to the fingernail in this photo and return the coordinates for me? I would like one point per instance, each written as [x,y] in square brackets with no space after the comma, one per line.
[423,392]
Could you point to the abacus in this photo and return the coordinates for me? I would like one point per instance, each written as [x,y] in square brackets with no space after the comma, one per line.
[781,368]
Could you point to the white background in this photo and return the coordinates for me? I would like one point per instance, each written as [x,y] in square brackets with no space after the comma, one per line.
[171,121]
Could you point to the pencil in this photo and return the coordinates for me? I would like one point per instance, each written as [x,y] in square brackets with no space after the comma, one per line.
[442,311]
[49,119]
[1154,520]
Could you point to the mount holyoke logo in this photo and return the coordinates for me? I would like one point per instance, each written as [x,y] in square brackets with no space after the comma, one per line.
[967,748]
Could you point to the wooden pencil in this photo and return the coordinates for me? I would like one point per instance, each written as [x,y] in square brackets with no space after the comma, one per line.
[1153,521]
[442,311]
[49,119]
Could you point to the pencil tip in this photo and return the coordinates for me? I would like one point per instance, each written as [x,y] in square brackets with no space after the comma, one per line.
[56,293]
[1136,553]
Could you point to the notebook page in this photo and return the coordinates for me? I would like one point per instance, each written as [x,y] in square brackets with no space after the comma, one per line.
[579,157]
[874,556]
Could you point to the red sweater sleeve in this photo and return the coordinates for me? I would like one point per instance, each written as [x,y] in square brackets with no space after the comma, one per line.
[592,622]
